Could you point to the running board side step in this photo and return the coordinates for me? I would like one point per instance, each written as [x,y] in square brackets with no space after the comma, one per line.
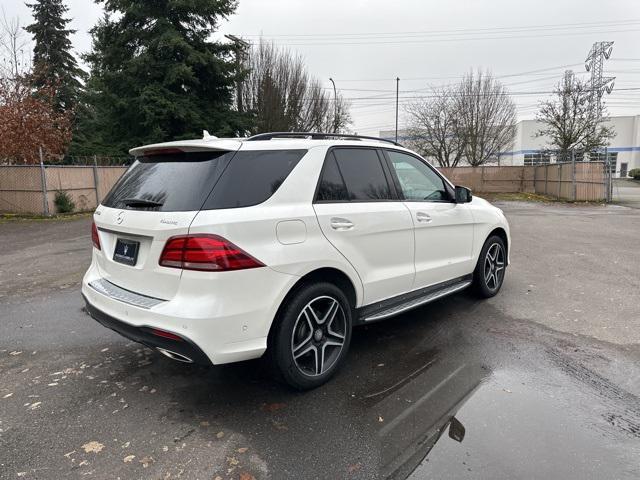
[429,295]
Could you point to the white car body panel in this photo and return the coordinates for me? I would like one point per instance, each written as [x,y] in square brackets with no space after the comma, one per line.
[379,245]
[229,314]
[444,234]
[152,231]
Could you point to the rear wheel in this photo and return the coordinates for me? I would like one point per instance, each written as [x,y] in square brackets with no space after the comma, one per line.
[312,335]
[490,270]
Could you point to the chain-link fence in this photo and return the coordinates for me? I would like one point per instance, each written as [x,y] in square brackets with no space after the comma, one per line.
[575,181]
[31,189]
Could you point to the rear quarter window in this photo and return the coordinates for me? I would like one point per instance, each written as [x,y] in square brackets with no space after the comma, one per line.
[252,177]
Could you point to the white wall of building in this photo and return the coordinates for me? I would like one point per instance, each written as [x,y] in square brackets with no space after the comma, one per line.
[624,148]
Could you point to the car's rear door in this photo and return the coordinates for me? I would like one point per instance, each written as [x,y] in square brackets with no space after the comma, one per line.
[443,228]
[360,214]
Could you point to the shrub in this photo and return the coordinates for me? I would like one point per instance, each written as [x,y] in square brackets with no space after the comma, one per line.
[635,173]
[63,202]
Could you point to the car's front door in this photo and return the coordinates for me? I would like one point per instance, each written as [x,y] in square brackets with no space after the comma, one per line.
[360,214]
[443,228]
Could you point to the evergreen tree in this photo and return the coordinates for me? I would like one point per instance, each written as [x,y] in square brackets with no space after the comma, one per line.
[157,76]
[53,62]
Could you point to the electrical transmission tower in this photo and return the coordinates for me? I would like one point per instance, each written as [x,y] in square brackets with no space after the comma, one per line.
[594,63]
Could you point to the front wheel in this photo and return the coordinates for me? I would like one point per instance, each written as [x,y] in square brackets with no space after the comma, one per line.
[491,267]
[312,335]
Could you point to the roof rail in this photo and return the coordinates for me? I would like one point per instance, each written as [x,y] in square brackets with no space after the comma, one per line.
[316,136]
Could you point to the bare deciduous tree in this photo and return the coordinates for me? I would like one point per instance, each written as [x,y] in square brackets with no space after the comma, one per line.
[283,96]
[15,58]
[434,127]
[569,121]
[487,117]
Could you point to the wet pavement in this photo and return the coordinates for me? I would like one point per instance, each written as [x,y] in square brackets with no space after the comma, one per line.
[626,192]
[458,389]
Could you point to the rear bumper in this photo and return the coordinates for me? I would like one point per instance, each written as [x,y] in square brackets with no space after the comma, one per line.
[186,348]
[224,317]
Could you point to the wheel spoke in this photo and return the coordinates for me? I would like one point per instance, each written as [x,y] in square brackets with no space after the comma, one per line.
[311,314]
[336,335]
[331,313]
[319,356]
[487,273]
[304,348]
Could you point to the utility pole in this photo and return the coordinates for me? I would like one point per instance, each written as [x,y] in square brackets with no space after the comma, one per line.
[240,47]
[335,107]
[397,99]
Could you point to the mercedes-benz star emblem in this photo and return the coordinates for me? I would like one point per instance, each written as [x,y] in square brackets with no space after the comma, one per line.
[120,218]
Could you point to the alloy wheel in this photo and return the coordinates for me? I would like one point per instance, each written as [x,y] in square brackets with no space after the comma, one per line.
[318,336]
[494,263]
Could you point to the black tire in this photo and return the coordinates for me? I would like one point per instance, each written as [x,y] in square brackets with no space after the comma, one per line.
[484,284]
[299,370]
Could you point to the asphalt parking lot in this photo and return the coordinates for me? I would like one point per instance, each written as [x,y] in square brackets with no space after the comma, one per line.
[544,378]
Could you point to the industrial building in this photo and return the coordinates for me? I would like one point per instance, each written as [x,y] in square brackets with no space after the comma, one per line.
[623,151]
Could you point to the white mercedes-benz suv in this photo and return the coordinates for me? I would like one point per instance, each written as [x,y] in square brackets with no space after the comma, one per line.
[221,250]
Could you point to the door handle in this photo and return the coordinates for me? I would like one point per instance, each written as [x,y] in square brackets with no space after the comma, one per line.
[341,223]
[423,217]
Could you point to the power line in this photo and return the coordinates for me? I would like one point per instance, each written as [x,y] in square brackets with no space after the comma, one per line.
[368,42]
[518,74]
[473,31]
[539,92]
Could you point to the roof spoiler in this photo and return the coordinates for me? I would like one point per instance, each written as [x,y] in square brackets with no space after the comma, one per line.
[207,143]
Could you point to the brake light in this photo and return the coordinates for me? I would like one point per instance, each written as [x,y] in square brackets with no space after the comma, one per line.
[94,236]
[205,252]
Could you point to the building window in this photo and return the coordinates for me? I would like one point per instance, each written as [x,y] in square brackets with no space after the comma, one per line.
[603,157]
[569,156]
[538,158]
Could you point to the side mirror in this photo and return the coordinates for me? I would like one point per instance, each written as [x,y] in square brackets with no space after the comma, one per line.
[463,195]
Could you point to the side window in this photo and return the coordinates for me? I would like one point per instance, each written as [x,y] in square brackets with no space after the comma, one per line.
[252,177]
[363,175]
[331,187]
[417,181]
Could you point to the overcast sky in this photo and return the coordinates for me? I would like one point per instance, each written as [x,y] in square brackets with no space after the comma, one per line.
[365,44]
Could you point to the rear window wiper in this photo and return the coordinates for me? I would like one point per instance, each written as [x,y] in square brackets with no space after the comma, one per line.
[140,202]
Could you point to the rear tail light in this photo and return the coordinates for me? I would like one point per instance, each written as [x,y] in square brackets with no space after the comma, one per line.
[94,236]
[164,334]
[205,252]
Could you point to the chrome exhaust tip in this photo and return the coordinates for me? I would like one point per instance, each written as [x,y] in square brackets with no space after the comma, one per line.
[178,357]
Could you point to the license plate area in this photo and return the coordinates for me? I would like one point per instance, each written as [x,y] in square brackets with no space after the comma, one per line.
[126,252]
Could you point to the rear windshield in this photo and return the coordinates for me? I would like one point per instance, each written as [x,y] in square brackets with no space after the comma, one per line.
[183,181]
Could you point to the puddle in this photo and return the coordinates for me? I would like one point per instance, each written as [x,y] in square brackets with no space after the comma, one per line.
[516,429]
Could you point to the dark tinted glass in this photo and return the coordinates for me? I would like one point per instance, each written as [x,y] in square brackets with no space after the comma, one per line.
[331,187]
[363,174]
[252,177]
[177,181]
